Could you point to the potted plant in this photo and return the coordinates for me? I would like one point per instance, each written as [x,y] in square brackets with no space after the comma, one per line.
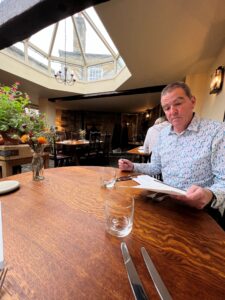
[12,112]
[19,125]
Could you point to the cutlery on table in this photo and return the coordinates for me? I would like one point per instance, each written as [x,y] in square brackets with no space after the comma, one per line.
[156,278]
[124,178]
[135,282]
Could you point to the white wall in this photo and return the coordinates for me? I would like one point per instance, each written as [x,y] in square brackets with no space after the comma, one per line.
[208,106]
[198,84]
[49,109]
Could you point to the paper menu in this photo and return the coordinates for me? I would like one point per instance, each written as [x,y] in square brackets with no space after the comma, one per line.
[152,184]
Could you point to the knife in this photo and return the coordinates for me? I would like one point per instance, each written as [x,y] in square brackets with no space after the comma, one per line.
[157,280]
[135,282]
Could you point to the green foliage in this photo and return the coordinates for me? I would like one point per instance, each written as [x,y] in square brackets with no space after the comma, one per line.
[15,119]
[12,108]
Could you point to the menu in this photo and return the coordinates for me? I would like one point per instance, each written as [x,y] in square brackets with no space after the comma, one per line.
[153,184]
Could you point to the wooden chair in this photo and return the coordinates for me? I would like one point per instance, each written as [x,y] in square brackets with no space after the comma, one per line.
[105,146]
[75,136]
[60,135]
[91,154]
[59,158]
[94,144]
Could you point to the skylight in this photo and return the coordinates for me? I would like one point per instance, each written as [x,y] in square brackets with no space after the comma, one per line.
[90,53]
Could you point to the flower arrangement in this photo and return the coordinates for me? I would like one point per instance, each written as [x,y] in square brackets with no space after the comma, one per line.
[82,133]
[18,122]
[37,144]
[35,132]
[12,107]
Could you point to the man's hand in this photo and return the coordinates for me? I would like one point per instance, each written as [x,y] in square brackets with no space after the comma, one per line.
[125,165]
[197,197]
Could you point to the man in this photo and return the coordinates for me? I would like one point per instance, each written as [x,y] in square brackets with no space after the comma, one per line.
[153,133]
[190,152]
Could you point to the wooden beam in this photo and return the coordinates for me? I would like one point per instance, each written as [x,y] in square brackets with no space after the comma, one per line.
[145,90]
[35,17]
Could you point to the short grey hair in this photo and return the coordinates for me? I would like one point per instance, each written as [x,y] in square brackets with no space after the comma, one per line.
[160,120]
[178,84]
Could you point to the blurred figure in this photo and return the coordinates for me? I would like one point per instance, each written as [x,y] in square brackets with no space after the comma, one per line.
[153,133]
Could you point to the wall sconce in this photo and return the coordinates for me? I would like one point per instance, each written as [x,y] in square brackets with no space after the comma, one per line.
[148,114]
[216,83]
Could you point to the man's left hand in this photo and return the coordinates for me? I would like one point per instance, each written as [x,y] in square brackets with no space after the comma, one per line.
[196,196]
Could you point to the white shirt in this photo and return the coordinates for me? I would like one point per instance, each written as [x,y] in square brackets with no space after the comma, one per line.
[152,136]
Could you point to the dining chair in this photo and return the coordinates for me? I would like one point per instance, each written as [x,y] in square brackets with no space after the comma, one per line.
[91,154]
[60,159]
[60,135]
[105,146]
[75,136]
[94,144]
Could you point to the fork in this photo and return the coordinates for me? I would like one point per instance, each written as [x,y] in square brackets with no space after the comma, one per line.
[3,273]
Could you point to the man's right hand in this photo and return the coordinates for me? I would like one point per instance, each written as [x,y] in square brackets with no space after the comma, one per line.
[125,165]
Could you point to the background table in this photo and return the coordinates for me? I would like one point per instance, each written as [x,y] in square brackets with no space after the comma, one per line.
[142,156]
[71,147]
[56,246]
[16,155]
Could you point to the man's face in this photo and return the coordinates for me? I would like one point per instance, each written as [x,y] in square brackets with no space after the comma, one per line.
[178,108]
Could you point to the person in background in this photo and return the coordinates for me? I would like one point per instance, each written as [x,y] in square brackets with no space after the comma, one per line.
[153,133]
[190,153]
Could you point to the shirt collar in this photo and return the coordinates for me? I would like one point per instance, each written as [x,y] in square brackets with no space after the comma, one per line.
[193,126]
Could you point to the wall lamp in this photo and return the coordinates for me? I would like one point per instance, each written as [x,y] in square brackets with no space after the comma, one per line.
[216,83]
[148,114]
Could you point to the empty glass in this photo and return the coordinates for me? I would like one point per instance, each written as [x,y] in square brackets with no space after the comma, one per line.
[108,177]
[119,213]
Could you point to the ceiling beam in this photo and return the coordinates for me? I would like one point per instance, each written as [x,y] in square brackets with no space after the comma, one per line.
[20,19]
[145,90]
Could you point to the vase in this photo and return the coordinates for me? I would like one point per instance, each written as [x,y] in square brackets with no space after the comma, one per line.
[37,166]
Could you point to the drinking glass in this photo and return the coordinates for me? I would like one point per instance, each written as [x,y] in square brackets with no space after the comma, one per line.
[108,178]
[119,213]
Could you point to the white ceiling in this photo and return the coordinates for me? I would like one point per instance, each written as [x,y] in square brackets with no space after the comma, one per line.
[160,41]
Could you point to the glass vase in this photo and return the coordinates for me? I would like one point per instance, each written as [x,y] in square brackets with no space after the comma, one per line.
[37,166]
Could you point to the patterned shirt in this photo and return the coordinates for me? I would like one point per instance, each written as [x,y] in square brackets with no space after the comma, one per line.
[194,157]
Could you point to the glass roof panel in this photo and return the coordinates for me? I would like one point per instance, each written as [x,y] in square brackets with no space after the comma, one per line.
[62,46]
[37,60]
[93,15]
[19,46]
[44,36]
[17,50]
[58,43]
[93,46]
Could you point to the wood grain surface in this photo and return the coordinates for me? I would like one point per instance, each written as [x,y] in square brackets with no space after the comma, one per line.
[56,247]
[136,151]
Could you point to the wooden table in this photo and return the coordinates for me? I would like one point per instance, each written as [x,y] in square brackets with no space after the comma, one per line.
[73,143]
[142,156]
[72,146]
[16,155]
[56,246]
